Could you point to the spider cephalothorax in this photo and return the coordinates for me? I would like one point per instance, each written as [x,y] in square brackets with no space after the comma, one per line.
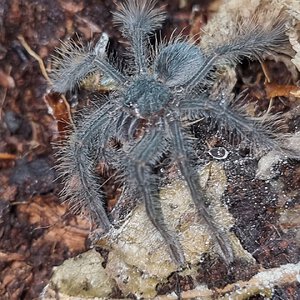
[147,112]
[146,96]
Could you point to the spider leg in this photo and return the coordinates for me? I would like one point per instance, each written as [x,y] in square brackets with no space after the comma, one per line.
[263,133]
[181,156]
[251,40]
[139,18]
[77,61]
[79,158]
[141,157]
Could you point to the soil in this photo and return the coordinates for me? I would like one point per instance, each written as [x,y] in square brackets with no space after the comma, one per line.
[37,232]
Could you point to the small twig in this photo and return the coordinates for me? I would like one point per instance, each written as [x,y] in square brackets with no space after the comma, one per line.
[7,156]
[267,81]
[35,56]
[2,100]
[266,72]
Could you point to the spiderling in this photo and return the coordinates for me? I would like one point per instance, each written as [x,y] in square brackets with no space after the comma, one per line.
[147,112]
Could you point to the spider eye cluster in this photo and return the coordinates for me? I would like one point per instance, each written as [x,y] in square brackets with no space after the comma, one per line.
[146,96]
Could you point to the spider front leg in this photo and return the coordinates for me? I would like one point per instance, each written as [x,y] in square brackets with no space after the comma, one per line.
[181,155]
[262,133]
[141,158]
[76,62]
[138,20]
[252,38]
[79,158]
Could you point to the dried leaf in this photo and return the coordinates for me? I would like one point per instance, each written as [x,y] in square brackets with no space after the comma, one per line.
[60,109]
[278,90]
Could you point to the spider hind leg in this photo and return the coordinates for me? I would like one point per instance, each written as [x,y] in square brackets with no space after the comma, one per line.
[198,195]
[78,161]
[142,157]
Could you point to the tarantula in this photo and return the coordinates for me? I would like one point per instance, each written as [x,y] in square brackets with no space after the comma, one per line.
[165,86]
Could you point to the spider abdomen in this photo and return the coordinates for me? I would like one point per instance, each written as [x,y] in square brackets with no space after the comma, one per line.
[146,97]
